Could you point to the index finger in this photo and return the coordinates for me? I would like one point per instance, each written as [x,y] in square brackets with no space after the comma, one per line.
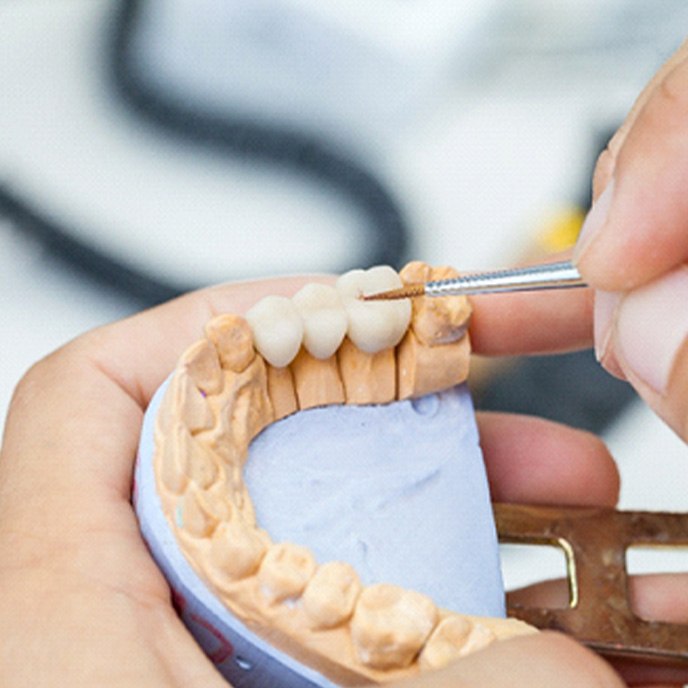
[532,323]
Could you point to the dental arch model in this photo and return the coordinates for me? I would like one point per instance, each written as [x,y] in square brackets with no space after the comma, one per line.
[324,346]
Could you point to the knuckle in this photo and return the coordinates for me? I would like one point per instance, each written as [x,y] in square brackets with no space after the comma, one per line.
[668,107]
[45,373]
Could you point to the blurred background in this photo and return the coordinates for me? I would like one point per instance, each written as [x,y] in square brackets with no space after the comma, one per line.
[151,146]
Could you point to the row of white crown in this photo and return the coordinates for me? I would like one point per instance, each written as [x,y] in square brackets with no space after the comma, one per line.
[320,316]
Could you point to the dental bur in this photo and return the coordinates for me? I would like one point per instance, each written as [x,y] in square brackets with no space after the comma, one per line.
[560,275]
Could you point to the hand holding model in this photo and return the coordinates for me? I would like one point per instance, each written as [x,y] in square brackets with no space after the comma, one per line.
[634,246]
[83,602]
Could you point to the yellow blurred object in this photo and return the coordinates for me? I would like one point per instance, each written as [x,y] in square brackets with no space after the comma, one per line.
[560,230]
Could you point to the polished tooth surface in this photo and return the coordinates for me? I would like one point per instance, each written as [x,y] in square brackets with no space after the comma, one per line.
[324,319]
[277,329]
[373,325]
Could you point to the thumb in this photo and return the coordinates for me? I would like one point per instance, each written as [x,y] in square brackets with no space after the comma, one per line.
[643,336]
[637,229]
[537,661]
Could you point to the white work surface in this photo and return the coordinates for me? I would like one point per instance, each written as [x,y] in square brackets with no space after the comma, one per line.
[483,161]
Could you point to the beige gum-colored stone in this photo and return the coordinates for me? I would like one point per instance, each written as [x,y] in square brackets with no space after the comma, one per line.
[317,382]
[221,396]
[281,392]
[424,369]
[367,378]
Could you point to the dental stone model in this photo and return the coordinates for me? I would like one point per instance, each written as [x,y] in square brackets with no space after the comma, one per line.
[368,517]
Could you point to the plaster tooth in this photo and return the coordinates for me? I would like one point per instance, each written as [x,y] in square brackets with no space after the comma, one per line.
[324,319]
[246,411]
[478,639]
[233,339]
[390,625]
[237,550]
[373,325]
[172,467]
[331,594]
[203,366]
[214,503]
[436,321]
[199,464]
[285,571]
[192,518]
[446,642]
[192,405]
[277,329]
[184,459]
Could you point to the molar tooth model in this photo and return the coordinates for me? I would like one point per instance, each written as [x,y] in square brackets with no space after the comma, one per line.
[329,547]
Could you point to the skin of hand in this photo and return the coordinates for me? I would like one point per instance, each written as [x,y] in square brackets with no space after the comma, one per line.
[634,246]
[83,603]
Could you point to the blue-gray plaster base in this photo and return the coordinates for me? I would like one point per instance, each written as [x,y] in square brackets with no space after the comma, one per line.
[397,490]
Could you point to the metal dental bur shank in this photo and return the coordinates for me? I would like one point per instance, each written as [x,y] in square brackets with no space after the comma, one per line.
[560,275]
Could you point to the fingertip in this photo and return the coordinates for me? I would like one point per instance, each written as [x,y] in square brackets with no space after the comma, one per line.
[649,342]
[533,460]
[642,232]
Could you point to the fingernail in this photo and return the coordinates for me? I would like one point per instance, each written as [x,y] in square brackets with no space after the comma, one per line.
[595,220]
[652,326]
[605,305]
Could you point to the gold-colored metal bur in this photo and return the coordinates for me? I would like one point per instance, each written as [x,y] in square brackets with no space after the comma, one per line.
[410,291]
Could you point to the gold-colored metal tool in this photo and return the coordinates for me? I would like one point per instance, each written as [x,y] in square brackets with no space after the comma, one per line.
[595,541]
[560,275]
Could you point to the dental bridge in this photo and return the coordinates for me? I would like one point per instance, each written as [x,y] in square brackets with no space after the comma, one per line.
[326,346]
